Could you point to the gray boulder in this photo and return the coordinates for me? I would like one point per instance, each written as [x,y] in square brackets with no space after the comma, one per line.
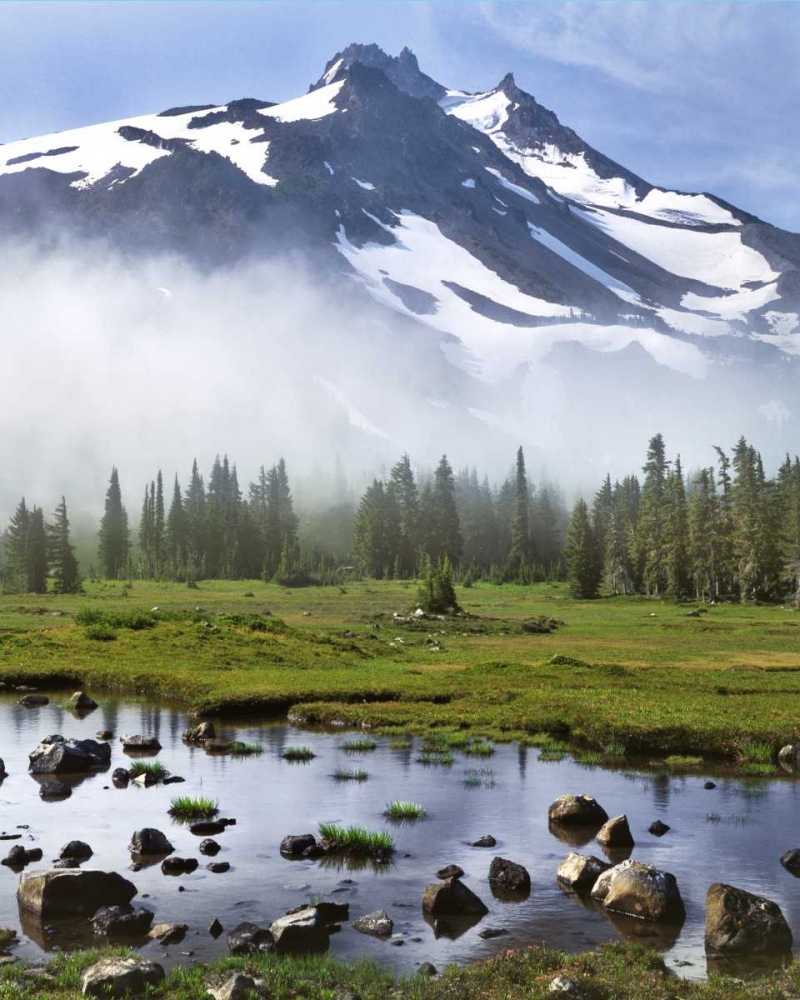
[294,845]
[485,841]
[72,892]
[451,897]
[636,889]
[739,922]
[378,924]
[119,923]
[581,871]
[34,701]
[119,977]
[81,702]
[53,790]
[77,850]
[238,986]
[149,842]
[249,939]
[789,757]
[199,734]
[57,755]
[509,876]
[168,933]
[140,744]
[577,810]
[301,931]
[615,833]
[791,861]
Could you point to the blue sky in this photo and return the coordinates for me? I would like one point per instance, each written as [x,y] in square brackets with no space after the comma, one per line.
[698,96]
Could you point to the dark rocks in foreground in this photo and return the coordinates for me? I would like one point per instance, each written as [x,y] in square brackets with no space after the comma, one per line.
[739,923]
[179,866]
[57,755]
[303,931]
[150,842]
[77,850]
[295,845]
[451,897]
[52,791]
[577,810]
[120,977]
[509,876]
[72,892]
[121,923]
[249,939]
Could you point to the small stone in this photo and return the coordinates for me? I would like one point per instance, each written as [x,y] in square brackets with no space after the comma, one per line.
[104,734]
[790,861]
[167,934]
[378,924]
[149,842]
[487,841]
[53,790]
[76,849]
[179,866]
[118,977]
[81,702]
[563,984]
[492,932]
[658,829]
[209,847]
[237,986]
[427,969]
[450,871]
[615,833]
[215,928]
[709,785]
[218,867]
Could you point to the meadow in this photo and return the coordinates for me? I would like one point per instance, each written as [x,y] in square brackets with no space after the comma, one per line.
[638,675]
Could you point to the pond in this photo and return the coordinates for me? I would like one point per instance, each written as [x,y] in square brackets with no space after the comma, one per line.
[733,833]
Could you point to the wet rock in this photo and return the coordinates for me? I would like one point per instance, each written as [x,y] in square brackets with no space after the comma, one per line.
[149,842]
[450,871]
[120,777]
[219,746]
[140,744]
[179,866]
[249,939]
[238,986]
[118,923]
[563,984]
[54,790]
[57,755]
[790,860]
[199,734]
[294,845]
[301,931]
[104,734]
[72,893]
[119,977]
[639,890]
[145,780]
[219,867]
[378,924]
[19,857]
[453,898]
[508,875]
[34,701]
[173,779]
[209,847]
[577,810]
[487,841]
[3,772]
[66,863]
[737,921]
[709,785]
[168,933]
[658,829]
[81,702]
[76,849]
[615,833]
[789,756]
[315,851]
[581,871]
[209,827]
[488,933]
[427,969]
[332,912]
[215,928]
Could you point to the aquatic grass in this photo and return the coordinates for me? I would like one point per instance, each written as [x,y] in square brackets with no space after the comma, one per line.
[444,757]
[473,781]
[362,745]
[613,751]
[682,760]
[239,749]
[748,752]
[758,770]
[478,777]
[401,744]
[405,811]
[353,774]
[153,769]
[550,756]
[356,840]
[736,819]
[479,749]
[188,807]
[589,758]
[298,753]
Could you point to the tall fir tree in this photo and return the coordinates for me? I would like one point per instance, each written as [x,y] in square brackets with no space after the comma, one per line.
[583,559]
[17,538]
[519,554]
[676,534]
[650,541]
[114,535]
[36,566]
[61,553]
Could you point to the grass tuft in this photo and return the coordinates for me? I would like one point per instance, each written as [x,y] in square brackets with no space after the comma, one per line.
[187,807]
[550,756]
[682,760]
[356,841]
[362,745]
[435,757]
[405,811]
[352,774]
[480,748]
[153,768]
[239,749]
[298,753]
[401,744]
[748,752]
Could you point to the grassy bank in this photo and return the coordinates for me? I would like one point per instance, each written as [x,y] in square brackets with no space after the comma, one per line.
[614,972]
[642,675]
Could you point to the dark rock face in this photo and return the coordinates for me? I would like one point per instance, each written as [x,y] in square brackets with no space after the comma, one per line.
[301,931]
[34,701]
[118,923]
[639,890]
[739,922]
[658,829]
[51,791]
[18,857]
[72,893]
[209,847]
[249,939]
[615,833]
[487,841]
[179,866]
[450,871]
[332,912]
[140,744]
[577,810]
[581,871]
[57,755]
[150,843]
[81,702]
[452,898]
[120,777]
[509,876]
[378,924]
[294,845]
[791,861]
[120,977]
[209,828]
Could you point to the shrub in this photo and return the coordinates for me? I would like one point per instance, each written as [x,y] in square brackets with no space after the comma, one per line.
[355,840]
[186,807]
[404,811]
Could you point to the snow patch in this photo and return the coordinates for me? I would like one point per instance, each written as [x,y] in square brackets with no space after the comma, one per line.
[329,168]
[310,107]
[513,187]
[366,185]
[574,258]
[354,416]
[468,183]
[486,112]
[782,323]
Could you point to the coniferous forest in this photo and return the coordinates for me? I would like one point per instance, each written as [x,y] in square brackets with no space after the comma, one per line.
[728,531]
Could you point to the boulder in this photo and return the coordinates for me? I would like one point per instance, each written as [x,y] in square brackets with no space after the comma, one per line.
[737,921]
[119,977]
[658,829]
[179,866]
[77,850]
[789,756]
[19,857]
[52,790]
[57,755]
[636,889]
[81,702]
[453,898]
[209,847]
[199,734]
[3,772]
[294,845]
[450,871]
[72,892]
[34,701]
[219,867]
[577,810]
[238,986]
[330,911]
[710,785]
[509,876]
[120,777]
[208,827]
[791,861]
[119,923]
[563,984]
[301,931]
[215,928]
[615,833]
[173,779]
[149,842]
[427,969]
[146,779]
[104,734]
[581,871]
[249,939]
[487,841]
[168,933]
[140,744]
[378,924]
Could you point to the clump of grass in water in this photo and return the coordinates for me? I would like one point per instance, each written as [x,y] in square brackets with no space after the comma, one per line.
[356,840]
[152,768]
[755,754]
[298,753]
[343,774]
[363,745]
[478,777]
[758,770]
[681,760]
[613,751]
[239,749]
[400,745]
[589,758]
[737,819]
[186,807]
[435,757]
[479,749]
[544,741]
[550,756]
[404,811]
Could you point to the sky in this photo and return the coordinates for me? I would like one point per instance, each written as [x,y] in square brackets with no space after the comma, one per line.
[696,96]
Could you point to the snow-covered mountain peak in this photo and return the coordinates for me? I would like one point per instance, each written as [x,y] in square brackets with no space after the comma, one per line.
[402,70]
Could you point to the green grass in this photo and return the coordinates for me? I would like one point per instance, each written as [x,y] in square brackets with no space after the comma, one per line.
[629,671]
[405,811]
[480,748]
[550,756]
[401,744]
[152,768]
[750,752]
[613,751]
[298,753]
[197,807]
[679,760]
[362,745]
[758,770]
[357,841]
[590,758]
[239,749]
[443,757]
[352,774]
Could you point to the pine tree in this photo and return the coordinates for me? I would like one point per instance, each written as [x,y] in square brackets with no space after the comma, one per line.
[520,549]
[789,499]
[36,565]
[113,535]
[61,554]
[406,499]
[676,534]
[582,556]
[650,541]
[195,510]
[704,535]
[438,511]
[17,549]
[159,527]
[371,539]
[176,544]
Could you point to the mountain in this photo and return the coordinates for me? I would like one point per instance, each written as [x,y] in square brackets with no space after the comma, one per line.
[516,258]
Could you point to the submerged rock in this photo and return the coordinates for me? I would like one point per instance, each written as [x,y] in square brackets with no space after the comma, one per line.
[378,924]
[19,857]
[34,701]
[249,939]
[209,827]
[140,744]
[121,777]
[209,848]
[301,931]
[76,849]
[57,755]
[487,841]
[450,871]
[581,871]
[198,734]
[72,892]
[636,889]
[453,898]
[294,845]
[119,977]
[118,923]
[81,702]
[577,810]
[150,842]
[179,866]
[615,833]
[658,829]
[739,922]
[791,860]
[52,790]
[509,875]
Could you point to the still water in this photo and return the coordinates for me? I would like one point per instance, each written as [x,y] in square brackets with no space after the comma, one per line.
[734,833]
